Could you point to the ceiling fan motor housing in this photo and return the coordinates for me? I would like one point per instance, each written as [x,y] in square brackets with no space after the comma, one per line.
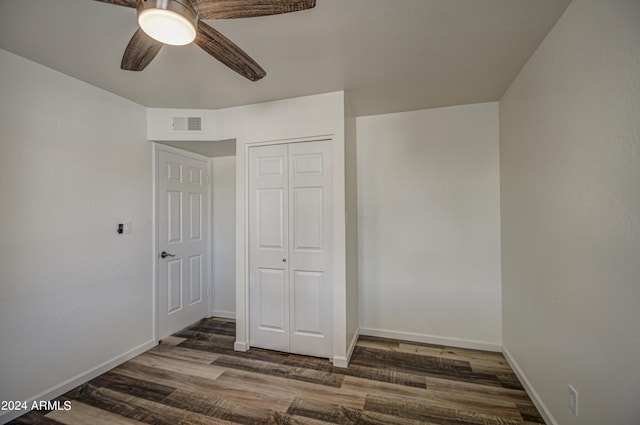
[184,8]
[153,17]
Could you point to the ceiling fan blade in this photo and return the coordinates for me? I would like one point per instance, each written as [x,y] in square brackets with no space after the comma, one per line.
[128,3]
[223,49]
[229,9]
[139,52]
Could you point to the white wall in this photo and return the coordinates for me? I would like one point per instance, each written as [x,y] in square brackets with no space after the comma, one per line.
[351,202]
[224,237]
[75,296]
[570,161]
[429,225]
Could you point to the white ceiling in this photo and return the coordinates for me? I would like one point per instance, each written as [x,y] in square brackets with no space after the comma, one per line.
[389,55]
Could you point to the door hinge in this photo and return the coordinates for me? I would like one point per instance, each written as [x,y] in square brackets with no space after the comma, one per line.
[208,179]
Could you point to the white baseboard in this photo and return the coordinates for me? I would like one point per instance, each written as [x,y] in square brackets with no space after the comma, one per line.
[342,361]
[431,339]
[240,346]
[535,397]
[80,379]
[224,314]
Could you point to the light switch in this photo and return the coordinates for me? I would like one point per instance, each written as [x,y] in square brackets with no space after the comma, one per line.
[127,229]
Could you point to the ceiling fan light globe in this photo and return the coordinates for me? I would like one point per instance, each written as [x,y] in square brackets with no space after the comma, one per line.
[166,26]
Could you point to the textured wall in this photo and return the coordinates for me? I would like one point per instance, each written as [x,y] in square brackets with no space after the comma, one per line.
[570,183]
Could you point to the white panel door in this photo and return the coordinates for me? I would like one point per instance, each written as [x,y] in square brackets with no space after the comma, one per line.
[310,254]
[290,275]
[183,263]
[269,248]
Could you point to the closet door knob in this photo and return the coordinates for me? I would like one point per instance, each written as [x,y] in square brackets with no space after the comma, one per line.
[284,260]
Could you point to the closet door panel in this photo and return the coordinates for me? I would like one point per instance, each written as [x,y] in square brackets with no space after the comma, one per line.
[308,219]
[271,219]
[269,248]
[308,308]
[272,302]
[310,243]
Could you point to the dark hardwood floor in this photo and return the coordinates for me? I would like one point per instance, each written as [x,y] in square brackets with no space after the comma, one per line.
[195,377]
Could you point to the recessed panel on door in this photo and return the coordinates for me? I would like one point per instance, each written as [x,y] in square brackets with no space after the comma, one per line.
[307,165]
[307,303]
[270,218]
[174,172]
[308,219]
[270,166]
[174,216]
[195,279]
[195,176]
[272,299]
[195,216]
[174,285]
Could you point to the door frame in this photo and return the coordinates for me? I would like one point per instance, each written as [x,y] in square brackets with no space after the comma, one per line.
[244,345]
[157,148]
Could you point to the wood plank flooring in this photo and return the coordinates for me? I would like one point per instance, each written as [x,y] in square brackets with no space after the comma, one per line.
[195,377]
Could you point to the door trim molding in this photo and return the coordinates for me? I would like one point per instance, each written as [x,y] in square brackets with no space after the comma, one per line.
[154,242]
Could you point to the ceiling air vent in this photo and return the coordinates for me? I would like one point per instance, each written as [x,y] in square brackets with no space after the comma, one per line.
[187,125]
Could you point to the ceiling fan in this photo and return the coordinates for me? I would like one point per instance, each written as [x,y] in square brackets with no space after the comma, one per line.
[179,22]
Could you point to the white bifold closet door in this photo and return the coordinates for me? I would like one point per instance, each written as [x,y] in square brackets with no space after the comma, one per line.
[290,248]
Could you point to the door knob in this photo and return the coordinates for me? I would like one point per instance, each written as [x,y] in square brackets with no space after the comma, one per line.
[284,260]
[165,254]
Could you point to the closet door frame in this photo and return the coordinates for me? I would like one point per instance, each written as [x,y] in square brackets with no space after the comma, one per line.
[242,343]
